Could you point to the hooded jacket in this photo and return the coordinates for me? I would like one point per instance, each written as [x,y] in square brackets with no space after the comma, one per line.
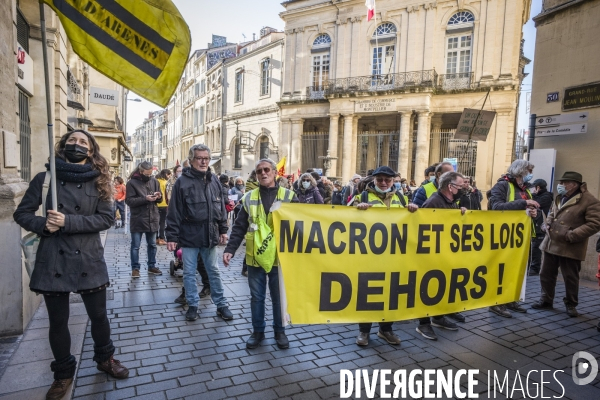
[196,215]
[312,195]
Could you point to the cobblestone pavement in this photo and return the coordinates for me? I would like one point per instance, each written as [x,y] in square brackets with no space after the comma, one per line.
[8,345]
[170,358]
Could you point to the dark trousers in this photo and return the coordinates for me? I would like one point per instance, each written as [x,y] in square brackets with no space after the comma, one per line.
[535,259]
[64,362]
[365,327]
[120,205]
[427,320]
[162,213]
[569,269]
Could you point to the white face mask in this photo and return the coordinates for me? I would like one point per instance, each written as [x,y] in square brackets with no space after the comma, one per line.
[305,185]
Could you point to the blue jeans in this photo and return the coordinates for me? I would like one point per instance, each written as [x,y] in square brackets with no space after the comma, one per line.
[136,240]
[257,280]
[121,207]
[190,265]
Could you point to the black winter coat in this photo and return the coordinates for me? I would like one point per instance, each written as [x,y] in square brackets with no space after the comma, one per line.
[144,214]
[71,259]
[544,198]
[196,215]
[498,199]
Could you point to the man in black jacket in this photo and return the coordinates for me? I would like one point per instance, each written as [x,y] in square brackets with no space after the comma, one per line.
[544,198]
[449,191]
[197,221]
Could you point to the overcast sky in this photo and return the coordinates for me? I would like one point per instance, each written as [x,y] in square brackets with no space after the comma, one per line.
[235,18]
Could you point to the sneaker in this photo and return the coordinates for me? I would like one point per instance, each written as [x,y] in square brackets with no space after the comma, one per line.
[181,299]
[192,313]
[501,311]
[160,242]
[205,291]
[542,305]
[254,340]
[224,313]
[427,332]
[282,340]
[154,271]
[457,316]
[572,311]
[389,337]
[442,322]
[58,389]
[362,339]
[114,368]
[515,306]
[135,273]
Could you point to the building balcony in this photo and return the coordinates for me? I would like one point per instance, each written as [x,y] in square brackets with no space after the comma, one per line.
[459,81]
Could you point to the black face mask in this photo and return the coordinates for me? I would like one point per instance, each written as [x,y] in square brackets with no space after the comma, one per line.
[145,178]
[457,196]
[75,153]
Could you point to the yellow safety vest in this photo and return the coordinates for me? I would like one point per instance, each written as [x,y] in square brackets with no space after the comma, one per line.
[430,189]
[253,206]
[375,201]
[511,197]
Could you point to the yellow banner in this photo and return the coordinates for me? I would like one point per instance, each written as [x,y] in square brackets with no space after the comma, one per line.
[142,45]
[342,265]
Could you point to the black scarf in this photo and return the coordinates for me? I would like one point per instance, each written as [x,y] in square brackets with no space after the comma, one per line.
[74,172]
[200,174]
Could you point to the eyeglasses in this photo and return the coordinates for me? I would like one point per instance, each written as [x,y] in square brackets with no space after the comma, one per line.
[456,186]
[266,170]
[305,180]
[202,159]
[382,179]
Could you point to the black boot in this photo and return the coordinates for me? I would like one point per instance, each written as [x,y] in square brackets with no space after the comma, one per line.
[254,340]
[282,340]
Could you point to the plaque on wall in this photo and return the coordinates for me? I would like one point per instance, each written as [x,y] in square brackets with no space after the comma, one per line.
[582,96]
[375,105]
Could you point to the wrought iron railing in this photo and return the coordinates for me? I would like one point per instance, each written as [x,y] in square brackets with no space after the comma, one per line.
[384,82]
[315,92]
[462,80]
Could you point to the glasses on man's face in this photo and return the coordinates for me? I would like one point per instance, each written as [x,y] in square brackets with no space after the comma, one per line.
[202,159]
[382,179]
[454,185]
[266,170]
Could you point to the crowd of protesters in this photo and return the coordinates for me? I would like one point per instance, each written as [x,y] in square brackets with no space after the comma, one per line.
[192,211]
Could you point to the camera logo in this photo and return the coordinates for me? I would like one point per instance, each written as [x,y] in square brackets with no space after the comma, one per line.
[581,368]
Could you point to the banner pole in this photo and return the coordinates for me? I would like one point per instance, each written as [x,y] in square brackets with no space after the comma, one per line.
[48,110]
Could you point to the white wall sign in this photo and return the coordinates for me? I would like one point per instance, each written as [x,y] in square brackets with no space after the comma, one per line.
[104,96]
[25,71]
[561,130]
[545,163]
[478,122]
[11,152]
[562,119]
[375,105]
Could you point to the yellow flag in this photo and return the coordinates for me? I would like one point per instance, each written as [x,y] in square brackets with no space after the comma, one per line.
[141,44]
[281,167]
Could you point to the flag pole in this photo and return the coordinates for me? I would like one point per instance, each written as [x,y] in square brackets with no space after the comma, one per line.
[379,66]
[48,110]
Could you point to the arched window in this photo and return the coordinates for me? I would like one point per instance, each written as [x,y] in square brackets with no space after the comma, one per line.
[383,54]
[323,40]
[264,150]
[385,29]
[461,17]
[237,150]
[459,49]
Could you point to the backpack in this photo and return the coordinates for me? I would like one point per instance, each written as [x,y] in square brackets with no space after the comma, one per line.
[337,198]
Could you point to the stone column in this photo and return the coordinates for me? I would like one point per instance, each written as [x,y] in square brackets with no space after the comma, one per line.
[436,146]
[354,142]
[347,149]
[285,144]
[404,153]
[423,137]
[332,151]
[296,145]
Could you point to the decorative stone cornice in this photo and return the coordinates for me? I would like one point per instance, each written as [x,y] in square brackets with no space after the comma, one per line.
[252,112]
[430,6]
[412,9]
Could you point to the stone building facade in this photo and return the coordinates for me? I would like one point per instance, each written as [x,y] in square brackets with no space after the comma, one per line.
[567,62]
[358,93]
[24,146]
[251,119]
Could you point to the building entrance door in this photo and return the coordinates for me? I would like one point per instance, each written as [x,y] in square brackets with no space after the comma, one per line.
[377,148]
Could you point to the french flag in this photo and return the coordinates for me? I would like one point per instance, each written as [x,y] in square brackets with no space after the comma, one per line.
[370,9]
